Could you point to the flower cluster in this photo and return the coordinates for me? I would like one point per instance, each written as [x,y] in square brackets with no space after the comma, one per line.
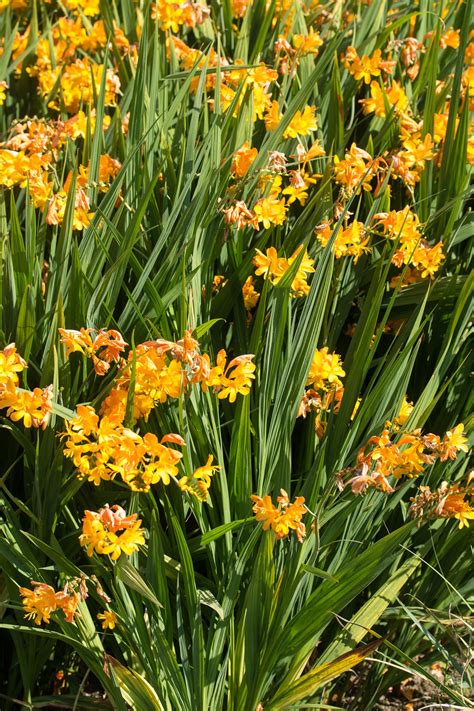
[404,227]
[401,226]
[448,501]
[171,15]
[110,531]
[33,407]
[166,369]
[102,449]
[365,67]
[271,208]
[41,601]
[161,370]
[400,454]
[65,67]
[273,267]
[283,518]
[356,170]
[324,387]
[104,348]
[350,241]
[236,84]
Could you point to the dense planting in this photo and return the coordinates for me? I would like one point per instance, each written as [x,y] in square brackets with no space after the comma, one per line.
[235,408]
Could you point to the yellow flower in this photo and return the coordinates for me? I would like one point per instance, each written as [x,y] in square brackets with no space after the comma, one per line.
[418,151]
[265,511]
[366,67]
[11,363]
[3,92]
[199,483]
[349,241]
[299,285]
[453,442]
[250,295]
[394,95]
[428,259]
[357,168]
[16,168]
[270,211]
[34,408]
[88,7]
[237,377]
[39,603]
[170,14]
[272,117]
[450,39]
[307,44]
[270,264]
[275,267]
[405,412]
[302,123]
[454,505]
[108,619]
[294,193]
[325,370]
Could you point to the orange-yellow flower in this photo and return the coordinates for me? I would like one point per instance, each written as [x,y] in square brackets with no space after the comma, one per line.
[282,519]
[448,501]
[243,159]
[454,505]
[272,117]
[274,267]
[103,349]
[43,600]
[307,44]
[250,294]
[366,67]
[102,449]
[453,442]
[394,96]
[236,377]
[100,532]
[88,7]
[356,170]
[11,363]
[348,242]
[34,407]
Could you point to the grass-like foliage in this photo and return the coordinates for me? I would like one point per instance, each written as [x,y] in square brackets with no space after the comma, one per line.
[235,253]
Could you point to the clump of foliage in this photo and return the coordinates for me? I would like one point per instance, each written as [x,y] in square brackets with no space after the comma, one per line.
[235,300]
